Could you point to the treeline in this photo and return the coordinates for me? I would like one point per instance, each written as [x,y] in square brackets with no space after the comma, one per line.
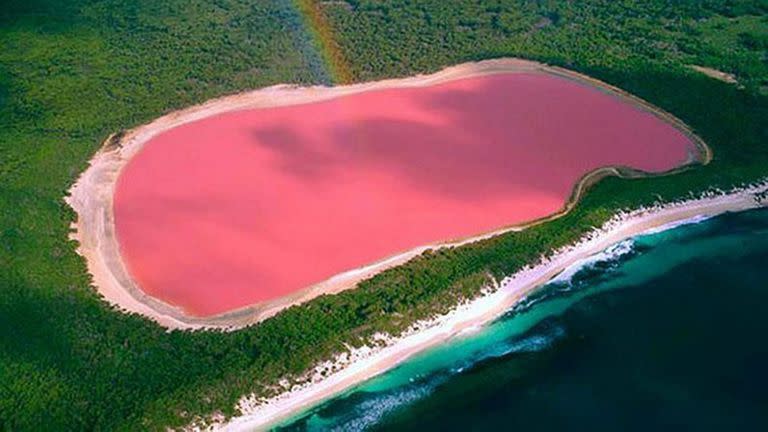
[73,72]
[400,37]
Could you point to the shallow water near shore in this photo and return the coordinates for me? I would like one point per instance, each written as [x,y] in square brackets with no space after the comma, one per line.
[664,330]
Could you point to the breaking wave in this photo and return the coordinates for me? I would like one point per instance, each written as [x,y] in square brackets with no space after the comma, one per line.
[606,259]
[583,273]
[671,225]
[539,339]
[370,411]
[365,409]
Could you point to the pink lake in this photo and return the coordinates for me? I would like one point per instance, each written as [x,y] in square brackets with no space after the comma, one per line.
[249,206]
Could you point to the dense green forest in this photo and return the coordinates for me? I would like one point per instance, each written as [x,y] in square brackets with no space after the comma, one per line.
[74,71]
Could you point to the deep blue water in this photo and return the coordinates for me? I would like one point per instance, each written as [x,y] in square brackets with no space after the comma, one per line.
[665,331]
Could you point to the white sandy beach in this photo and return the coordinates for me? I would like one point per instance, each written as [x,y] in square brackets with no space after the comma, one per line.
[358,365]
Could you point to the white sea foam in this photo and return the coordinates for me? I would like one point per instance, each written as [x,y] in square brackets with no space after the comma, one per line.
[370,412]
[669,226]
[537,342]
[613,253]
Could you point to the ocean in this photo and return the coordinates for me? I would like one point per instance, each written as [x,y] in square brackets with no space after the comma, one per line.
[663,331]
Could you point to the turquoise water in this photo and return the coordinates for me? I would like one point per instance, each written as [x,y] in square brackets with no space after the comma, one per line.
[665,330]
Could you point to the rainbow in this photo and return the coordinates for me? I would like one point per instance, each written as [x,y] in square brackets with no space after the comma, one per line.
[321,33]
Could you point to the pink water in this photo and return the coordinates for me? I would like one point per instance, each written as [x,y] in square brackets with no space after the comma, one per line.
[250,206]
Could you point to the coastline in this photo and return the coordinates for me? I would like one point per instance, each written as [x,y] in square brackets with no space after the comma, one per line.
[349,369]
[92,195]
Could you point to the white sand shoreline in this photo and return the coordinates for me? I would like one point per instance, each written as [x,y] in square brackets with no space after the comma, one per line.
[362,364]
[92,195]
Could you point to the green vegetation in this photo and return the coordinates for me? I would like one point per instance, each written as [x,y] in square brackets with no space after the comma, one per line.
[72,72]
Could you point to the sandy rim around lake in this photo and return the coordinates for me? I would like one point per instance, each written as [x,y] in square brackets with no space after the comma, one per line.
[92,195]
[346,370]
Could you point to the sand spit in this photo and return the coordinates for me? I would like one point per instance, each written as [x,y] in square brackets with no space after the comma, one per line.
[347,369]
[92,195]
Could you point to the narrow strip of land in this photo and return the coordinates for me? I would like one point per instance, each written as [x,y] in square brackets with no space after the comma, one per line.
[257,414]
